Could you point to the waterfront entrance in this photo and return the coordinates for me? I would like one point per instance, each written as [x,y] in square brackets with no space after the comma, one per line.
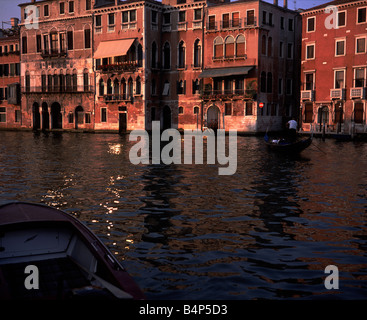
[167,122]
[213,117]
[56,117]
[36,116]
[122,122]
[79,116]
[45,117]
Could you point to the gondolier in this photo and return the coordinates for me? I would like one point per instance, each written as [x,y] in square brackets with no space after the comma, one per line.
[292,129]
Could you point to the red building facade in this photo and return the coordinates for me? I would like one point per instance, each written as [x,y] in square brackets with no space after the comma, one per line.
[10,114]
[334,64]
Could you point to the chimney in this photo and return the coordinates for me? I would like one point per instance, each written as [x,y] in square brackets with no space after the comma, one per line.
[14,22]
[275,2]
[285,5]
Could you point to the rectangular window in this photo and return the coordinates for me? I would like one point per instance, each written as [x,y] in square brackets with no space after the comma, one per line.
[88,4]
[290,25]
[24,45]
[225,20]
[361,15]
[39,43]
[282,23]
[103,114]
[359,80]
[264,17]
[289,86]
[249,111]
[281,49]
[310,51]
[154,17]
[270,19]
[62,7]
[342,19]
[235,19]
[339,79]
[2,114]
[250,16]
[309,81]
[211,25]
[280,86]
[228,109]
[197,14]
[98,20]
[71,6]
[339,47]
[182,16]
[46,12]
[45,43]
[360,45]
[17,69]
[290,51]
[87,38]
[70,40]
[62,42]
[132,15]
[311,25]
[18,115]
[167,18]
[87,117]
[125,17]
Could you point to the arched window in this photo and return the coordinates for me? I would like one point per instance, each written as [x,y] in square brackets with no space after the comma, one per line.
[43,81]
[56,82]
[116,87]
[181,54]
[123,88]
[130,88]
[263,45]
[132,53]
[140,55]
[229,47]
[240,46]
[62,81]
[167,56]
[154,55]
[263,82]
[138,86]
[101,88]
[270,46]
[75,80]
[109,87]
[86,80]
[180,110]
[197,53]
[196,110]
[218,48]
[68,81]
[269,83]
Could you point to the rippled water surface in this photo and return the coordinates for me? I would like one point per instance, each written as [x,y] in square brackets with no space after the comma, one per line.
[184,232]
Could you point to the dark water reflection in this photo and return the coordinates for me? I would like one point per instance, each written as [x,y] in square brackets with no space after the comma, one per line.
[184,232]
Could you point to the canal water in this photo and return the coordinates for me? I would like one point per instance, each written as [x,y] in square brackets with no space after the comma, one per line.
[184,232]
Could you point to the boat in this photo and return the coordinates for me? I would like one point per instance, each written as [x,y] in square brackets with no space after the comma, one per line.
[285,146]
[48,254]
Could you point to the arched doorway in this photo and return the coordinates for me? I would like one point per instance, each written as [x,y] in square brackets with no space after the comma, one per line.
[213,114]
[56,117]
[36,116]
[45,117]
[166,117]
[79,116]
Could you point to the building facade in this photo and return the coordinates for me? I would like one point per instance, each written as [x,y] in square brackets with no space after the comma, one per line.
[57,75]
[10,114]
[333,80]
[119,65]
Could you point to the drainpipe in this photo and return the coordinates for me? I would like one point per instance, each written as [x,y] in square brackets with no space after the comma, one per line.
[202,65]
[95,77]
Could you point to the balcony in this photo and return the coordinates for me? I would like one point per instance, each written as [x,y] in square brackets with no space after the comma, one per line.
[54,53]
[307,95]
[337,94]
[128,66]
[59,89]
[197,24]
[358,93]
[114,97]
[237,94]
[231,24]
[182,26]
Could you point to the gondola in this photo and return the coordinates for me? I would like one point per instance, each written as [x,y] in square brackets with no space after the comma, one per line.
[47,254]
[284,146]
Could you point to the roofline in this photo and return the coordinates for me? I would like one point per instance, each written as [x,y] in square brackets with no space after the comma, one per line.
[321,8]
